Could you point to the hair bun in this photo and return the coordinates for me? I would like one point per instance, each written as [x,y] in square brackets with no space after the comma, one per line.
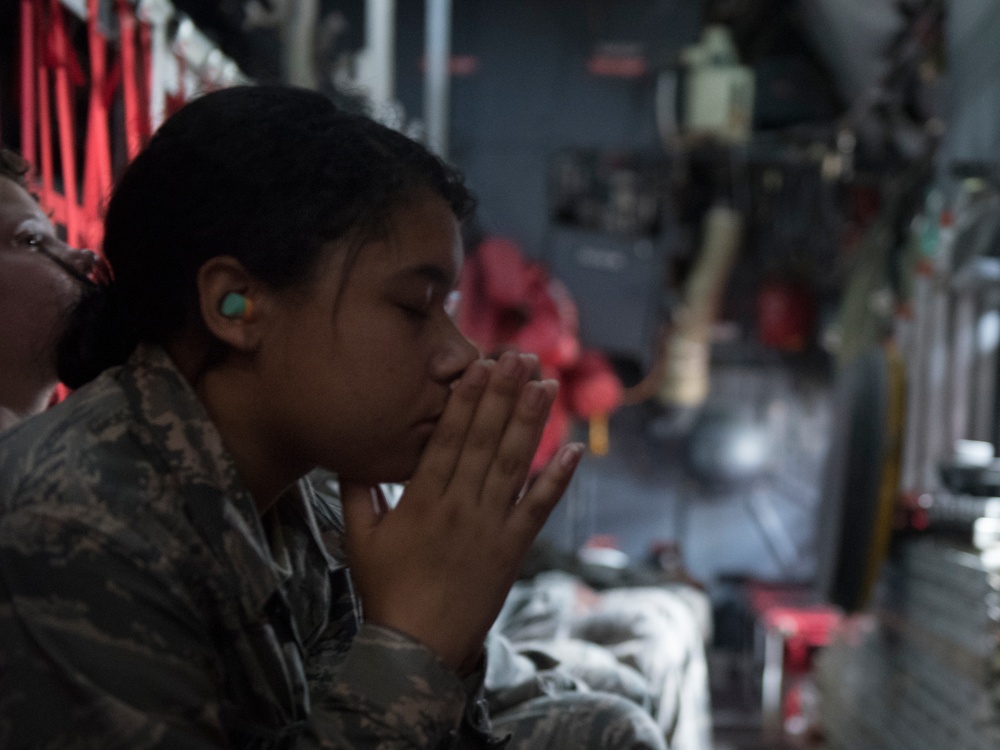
[98,335]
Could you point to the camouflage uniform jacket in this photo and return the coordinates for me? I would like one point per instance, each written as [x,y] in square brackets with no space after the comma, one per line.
[144,603]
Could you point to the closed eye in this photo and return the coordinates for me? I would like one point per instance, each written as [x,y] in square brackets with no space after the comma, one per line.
[32,239]
[414,313]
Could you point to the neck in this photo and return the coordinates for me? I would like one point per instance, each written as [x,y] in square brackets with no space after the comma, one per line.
[227,392]
[264,471]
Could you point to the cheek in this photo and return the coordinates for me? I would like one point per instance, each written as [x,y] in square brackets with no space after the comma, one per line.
[379,358]
[391,381]
[362,375]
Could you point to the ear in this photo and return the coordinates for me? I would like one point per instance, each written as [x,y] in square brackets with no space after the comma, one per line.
[219,277]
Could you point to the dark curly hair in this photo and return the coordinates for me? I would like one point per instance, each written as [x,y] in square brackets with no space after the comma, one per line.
[266,174]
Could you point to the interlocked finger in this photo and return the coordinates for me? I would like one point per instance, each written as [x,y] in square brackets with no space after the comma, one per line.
[509,469]
[533,509]
[437,464]
[490,422]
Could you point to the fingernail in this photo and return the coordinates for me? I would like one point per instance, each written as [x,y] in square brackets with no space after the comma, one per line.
[536,396]
[548,389]
[570,455]
[509,362]
[478,373]
[530,363]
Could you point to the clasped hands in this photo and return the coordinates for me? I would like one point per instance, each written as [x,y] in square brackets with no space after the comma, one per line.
[439,566]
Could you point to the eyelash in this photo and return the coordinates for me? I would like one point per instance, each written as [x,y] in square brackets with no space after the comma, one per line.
[415,313]
[449,304]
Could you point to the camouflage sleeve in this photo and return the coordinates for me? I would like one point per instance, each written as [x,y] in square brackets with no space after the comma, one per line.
[97,649]
[391,685]
[101,647]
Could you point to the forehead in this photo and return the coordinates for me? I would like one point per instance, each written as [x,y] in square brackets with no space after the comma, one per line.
[422,241]
[16,205]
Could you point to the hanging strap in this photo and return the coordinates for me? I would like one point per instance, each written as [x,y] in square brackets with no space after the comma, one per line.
[97,154]
[43,100]
[136,118]
[28,122]
[61,51]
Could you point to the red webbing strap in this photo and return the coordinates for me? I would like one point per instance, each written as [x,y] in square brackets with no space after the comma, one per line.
[28,122]
[50,73]
[145,79]
[130,73]
[97,156]
[64,113]
[46,188]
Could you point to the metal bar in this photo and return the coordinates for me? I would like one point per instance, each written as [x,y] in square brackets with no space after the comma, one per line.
[986,368]
[298,32]
[380,41]
[963,357]
[157,13]
[436,76]
[771,681]
[918,359]
[938,442]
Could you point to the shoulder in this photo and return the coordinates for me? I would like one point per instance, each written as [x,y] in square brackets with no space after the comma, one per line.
[85,503]
[86,452]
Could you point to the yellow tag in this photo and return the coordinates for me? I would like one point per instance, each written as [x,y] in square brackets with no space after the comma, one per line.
[599,435]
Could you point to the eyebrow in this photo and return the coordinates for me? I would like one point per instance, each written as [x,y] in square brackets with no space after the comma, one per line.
[31,219]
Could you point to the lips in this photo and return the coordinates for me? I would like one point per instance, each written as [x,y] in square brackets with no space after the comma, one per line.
[429,422]
[435,416]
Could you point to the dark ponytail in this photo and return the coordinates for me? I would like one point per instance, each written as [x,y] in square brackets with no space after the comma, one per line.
[98,335]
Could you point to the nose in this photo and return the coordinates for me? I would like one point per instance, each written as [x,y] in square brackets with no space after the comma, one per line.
[83,261]
[80,264]
[456,354]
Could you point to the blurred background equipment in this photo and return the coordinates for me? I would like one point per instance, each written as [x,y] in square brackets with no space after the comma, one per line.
[610,240]
[720,91]
[686,361]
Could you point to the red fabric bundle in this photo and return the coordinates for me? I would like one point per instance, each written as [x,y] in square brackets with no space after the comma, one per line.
[508,302]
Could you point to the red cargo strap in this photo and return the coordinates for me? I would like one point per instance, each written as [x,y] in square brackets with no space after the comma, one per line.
[97,156]
[28,123]
[62,52]
[133,92]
